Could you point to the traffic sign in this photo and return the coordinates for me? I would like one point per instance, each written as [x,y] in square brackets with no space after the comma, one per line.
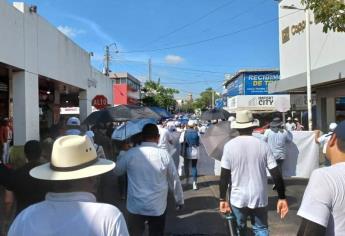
[99,101]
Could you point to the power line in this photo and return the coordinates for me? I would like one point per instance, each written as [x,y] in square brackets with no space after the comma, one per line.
[189,24]
[237,15]
[212,38]
[173,67]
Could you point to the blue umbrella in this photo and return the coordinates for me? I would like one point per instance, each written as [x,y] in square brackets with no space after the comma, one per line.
[131,128]
[162,112]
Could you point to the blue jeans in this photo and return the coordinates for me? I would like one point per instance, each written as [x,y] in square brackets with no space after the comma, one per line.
[258,217]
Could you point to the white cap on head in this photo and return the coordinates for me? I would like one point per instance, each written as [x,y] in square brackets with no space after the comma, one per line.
[289,119]
[332,126]
[191,123]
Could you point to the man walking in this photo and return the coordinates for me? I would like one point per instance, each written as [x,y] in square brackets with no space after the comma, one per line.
[150,172]
[27,190]
[71,208]
[244,162]
[278,139]
[323,204]
[190,151]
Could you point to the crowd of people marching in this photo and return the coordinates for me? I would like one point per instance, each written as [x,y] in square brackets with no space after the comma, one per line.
[65,184]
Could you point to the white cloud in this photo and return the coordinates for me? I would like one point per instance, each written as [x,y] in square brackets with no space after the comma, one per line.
[97,29]
[69,31]
[173,59]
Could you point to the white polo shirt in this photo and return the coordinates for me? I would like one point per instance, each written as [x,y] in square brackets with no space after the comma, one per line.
[324,199]
[75,213]
[150,171]
[247,158]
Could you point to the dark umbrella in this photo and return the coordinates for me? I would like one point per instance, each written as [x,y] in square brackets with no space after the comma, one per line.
[216,137]
[121,113]
[215,114]
[162,112]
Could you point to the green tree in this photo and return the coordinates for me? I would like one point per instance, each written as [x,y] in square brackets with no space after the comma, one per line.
[331,13]
[158,95]
[205,99]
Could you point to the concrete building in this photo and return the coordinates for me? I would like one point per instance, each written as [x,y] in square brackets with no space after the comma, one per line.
[126,89]
[327,53]
[41,69]
[248,89]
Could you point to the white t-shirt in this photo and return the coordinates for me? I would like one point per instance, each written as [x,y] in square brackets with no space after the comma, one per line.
[150,171]
[75,213]
[290,126]
[165,138]
[324,199]
[247,158]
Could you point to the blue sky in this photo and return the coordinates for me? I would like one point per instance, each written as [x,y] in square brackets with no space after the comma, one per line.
[169,32]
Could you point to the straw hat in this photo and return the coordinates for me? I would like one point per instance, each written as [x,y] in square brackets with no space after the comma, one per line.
[244,119]
[73,157]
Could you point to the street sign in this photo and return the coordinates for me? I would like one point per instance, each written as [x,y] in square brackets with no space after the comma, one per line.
[100,101]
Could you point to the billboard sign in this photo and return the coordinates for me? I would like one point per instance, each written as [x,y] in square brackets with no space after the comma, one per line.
[257,102]
[256,83]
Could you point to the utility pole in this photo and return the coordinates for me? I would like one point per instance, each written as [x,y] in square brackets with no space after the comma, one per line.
[213,98]
[106,60]
[150,69]
[309,97]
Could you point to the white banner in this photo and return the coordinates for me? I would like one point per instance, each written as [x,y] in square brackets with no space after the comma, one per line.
[302,157]
[257,102]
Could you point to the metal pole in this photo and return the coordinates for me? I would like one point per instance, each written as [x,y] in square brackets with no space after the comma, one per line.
[107,59]
[150,69]
[213,99]
[309,98]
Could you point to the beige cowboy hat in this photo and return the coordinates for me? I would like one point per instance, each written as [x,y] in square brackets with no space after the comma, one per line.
[244,119]
[73,157]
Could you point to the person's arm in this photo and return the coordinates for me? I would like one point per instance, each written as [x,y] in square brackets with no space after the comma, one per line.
[317,135]
[121,165]
[308,227]
[282,204]
[289,136]
[174,182]
[278,181]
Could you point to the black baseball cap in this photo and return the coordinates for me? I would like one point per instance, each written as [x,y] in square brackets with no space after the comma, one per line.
[340,130]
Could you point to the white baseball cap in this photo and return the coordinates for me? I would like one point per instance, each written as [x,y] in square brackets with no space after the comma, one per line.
[332,126]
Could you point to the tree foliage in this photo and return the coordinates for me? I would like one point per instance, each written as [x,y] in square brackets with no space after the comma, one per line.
[205,99]
[331,13]
[158,95]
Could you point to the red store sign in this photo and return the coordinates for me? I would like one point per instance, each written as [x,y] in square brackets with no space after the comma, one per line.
[100,101]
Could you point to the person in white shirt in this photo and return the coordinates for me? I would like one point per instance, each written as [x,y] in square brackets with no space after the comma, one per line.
[71,208]
[165,139]
[278,139]
[290,125]
[151,172]
[175,147]
[323,140]
[243,170]
[73,126]
[323,204]
[190,143]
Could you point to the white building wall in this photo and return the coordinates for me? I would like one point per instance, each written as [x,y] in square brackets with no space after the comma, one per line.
[326,49]
[28,42]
